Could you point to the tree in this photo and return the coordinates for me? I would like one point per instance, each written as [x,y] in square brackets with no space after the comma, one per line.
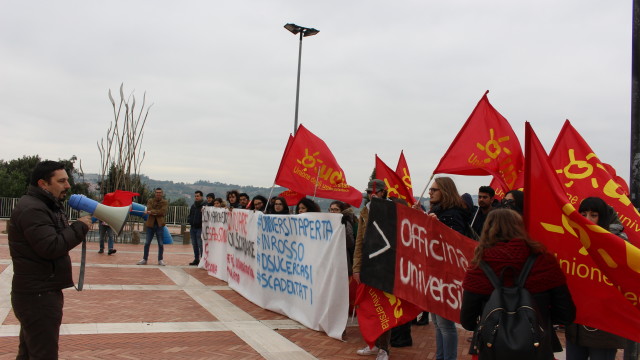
[120,153]
[15,176]
[179,202]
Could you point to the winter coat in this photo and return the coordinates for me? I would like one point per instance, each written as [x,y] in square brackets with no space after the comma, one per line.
[40,239]
[546,282]
[195,214]
[158,210]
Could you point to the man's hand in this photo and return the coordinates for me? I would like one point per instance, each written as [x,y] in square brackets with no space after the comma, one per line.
[86,220]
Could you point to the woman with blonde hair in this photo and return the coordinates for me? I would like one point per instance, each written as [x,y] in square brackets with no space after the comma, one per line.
[505,246]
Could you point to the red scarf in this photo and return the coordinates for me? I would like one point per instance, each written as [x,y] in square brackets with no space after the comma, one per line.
[510,257]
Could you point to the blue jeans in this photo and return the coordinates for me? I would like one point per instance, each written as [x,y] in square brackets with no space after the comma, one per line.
[157,230]
[578,352]
[104,231]
[446,338]
[196,242]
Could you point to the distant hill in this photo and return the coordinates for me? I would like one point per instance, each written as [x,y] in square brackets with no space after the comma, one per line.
[176,190]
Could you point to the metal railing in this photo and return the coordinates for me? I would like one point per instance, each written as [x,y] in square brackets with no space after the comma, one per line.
[177,215]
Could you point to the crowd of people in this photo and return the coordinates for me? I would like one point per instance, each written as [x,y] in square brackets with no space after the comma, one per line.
[40,238]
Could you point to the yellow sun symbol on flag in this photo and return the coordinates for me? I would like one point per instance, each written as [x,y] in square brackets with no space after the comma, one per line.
[493,148]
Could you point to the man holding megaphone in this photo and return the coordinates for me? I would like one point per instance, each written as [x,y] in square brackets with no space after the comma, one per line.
[40,239]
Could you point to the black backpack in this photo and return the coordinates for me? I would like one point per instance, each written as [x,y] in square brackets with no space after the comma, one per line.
[510,327]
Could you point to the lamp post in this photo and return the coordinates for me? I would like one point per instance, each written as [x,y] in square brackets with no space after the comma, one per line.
[304,32]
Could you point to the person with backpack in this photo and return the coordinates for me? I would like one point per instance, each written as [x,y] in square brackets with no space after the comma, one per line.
[541,300]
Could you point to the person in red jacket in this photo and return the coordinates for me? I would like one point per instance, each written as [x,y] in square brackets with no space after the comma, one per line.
[505,246]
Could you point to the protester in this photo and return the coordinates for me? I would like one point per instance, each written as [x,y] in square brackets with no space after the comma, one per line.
[448,207]
[156,209]
[195,220]
[585,342]
[376,188]
[105,231]
[513,200]
[219,203]
[485,201]
[307,205]
[348,218]
[279,206]
[232,199]
[210,198]
[258,203]
[40,239]
[244,200]
[505,246]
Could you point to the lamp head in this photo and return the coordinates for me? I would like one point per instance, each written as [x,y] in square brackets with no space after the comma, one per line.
[295,29]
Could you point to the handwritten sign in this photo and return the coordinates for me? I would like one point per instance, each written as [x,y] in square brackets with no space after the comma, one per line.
[292,264]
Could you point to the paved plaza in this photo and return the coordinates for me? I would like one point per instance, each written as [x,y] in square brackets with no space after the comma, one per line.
[127,311]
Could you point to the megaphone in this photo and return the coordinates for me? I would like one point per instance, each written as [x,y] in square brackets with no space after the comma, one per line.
[139,210]
[115,217]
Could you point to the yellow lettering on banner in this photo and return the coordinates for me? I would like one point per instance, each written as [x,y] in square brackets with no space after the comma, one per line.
[573,268]
[393,300]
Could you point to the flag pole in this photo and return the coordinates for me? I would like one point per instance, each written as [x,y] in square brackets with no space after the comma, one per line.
[315,188]
[270,192]
[425,188]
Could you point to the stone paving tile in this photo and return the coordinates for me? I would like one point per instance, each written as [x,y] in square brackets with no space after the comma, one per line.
[223,345]
[249,307]
[130,254]
[321,346]
[142,275]
[126,306]
[4,252]
[204,277]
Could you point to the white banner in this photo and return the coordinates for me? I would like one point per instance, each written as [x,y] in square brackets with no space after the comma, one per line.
[214,241]
[292,264]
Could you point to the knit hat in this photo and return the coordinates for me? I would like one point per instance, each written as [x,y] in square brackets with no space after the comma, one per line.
[378,184]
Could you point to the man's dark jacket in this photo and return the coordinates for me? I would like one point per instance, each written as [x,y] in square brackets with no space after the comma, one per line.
[40,239]
[195,214]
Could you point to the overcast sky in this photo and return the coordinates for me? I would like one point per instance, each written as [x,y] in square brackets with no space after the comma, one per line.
[380,77]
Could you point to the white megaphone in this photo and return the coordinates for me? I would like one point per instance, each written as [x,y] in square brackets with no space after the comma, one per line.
[115,217]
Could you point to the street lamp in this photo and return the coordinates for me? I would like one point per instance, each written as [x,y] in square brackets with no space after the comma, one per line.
[304,32]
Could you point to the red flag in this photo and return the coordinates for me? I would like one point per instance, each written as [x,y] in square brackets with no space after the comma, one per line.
[603,271]
[486,145]
[403,172]
[284,156]
[307,160]
[291,197]
[379,311]
[499,188]
[119,198]
[395,186]
[584,175]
